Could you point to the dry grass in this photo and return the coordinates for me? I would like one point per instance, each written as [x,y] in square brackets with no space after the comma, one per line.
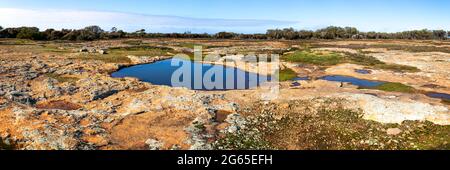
[409,48]
[119,54]
[334,58]
[61,79]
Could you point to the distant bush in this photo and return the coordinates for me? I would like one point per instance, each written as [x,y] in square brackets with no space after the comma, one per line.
[332,32]
[29,33]
[224,35]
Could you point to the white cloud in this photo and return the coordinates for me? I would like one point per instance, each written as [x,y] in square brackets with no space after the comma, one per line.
[52,18]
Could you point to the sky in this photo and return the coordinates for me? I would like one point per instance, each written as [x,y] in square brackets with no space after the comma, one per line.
[243,16]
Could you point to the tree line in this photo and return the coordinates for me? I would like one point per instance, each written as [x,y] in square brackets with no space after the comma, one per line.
[332,32]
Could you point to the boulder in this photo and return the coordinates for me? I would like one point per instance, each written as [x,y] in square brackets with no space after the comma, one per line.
[83,49]
[92,50]
[154,144]
[21,97]
[393,131]
[103,51]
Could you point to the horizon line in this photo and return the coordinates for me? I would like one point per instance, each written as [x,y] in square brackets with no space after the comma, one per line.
[129,21]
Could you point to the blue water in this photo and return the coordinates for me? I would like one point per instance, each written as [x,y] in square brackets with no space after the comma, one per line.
[295,84]
[300,78]
[369,83]
[363,71]
[438,95]
[160,73]
[353,80]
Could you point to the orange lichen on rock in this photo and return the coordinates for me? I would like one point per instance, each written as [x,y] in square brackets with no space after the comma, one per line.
[59,104]
[134,130]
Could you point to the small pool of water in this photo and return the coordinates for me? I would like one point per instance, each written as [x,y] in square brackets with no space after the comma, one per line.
[295,84]
[353,80]
[300,78]
[363,71]
[161,73]
[369,83]
[365,84]
[438,95]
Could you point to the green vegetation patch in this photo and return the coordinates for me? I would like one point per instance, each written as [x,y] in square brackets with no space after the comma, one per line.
[52,48]
[409,48]
[139,51]
[60,78]
[395,87]
[316,58]
[119,54]
[133,42]
[397,68]
[413,48]
[23,42]
[365,60]
[287,74]
[361,59]
[17,42]
[332,58]
[37,48]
